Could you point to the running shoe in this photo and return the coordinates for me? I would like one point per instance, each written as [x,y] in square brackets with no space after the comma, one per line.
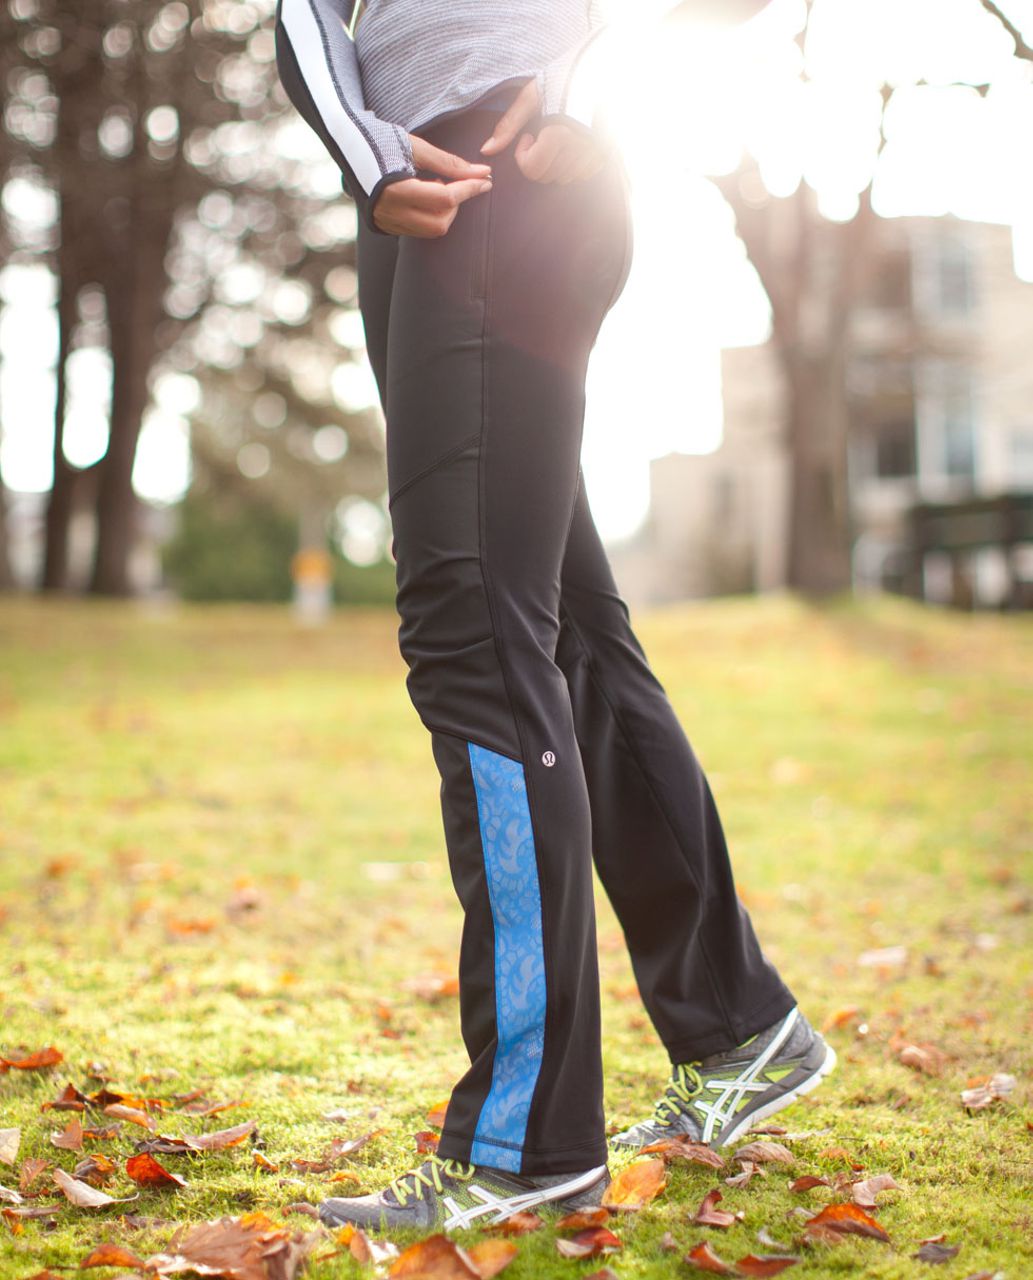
[447,1194]
[714,1100]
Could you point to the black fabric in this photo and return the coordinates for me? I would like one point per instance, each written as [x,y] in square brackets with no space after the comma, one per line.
[517,640]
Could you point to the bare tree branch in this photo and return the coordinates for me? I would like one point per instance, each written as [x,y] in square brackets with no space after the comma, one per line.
[1022,49]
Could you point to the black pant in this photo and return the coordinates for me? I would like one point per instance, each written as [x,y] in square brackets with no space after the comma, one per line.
[555,742]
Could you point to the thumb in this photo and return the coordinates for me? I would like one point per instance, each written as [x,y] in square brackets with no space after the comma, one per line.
[426,156]
[522,109]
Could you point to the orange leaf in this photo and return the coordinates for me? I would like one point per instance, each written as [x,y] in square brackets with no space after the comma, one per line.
[435,1258]
[708,1216]
[436,1115]
[517,1224]
[589,1244]
[489,1257]
[638,1184]
[849,1218]
[251,1247]
[705,1259]
[69,1099]
[263,1162]
[841,1017]
[808,1181]
[129,1113]
[427,1142]
[146,1171]
[581,1219]
[754,1265]
[36,1061]
[111,1255]
[95,1169]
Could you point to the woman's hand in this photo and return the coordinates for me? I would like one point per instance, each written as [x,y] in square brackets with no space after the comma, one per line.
[422,206]
[558,153]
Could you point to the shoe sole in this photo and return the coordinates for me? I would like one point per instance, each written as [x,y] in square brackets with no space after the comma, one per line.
[799,1087]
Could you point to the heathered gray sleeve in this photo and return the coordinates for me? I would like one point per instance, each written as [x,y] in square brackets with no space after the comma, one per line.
[558,82]
[315,58]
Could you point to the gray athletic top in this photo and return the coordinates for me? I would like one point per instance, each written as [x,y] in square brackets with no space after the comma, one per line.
[413,62]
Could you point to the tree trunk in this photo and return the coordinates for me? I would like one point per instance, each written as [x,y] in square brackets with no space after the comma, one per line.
[61,499]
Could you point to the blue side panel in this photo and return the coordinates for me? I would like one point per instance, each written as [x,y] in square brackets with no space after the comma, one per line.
[516,909]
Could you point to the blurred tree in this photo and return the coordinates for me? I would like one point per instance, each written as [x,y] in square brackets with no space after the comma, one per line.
[151,123]
[813,271]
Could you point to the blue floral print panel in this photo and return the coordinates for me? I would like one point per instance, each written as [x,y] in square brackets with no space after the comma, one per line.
[516,909]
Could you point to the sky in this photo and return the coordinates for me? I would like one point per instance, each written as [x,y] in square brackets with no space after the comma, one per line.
[654,380]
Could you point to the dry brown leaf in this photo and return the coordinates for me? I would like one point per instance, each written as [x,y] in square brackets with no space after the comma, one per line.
[849,1218]
[10,1139]
[83,1195]
[769,1242]
[841,1017]
[30,1171]
[983,1092]
[38,1060]
[147,1172]
[489,1257]
[864,1192]
[432,986]
[95,1169]
[668,1244]
[924,1057]
[937,1252]
[634,1187]
[214,1141]
[582,1219]
[251,1247]
[809,1180]
[758,1152]
[436,1115]
[202,1107]
[750,1169]
[10,1195]
[704,1258]
[604,1273]
[708,1216]
[435,1258]
[135,1116]
[69,1099]
[103,1134]
[70,1137]
[111,1255]
[263,1162]
[683,1149]
[426,1142]
[517,1224]
[759,1265]
[589,1244]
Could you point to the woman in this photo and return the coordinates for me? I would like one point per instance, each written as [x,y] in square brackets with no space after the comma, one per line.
[494,236]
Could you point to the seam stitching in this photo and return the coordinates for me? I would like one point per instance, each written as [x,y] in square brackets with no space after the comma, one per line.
[431,467]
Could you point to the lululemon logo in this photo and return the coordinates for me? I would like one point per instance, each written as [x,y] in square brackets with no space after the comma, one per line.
[548,759]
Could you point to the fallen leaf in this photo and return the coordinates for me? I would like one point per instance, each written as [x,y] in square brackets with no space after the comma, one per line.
[581,1219]
[683,1149]
[937,1252]
[338,1115]
[757,1152]
[434,1258]
[147,1172]
[668,1243]
[14,1222]
[215,1141]
[69,1099]
[426,1142]
[133,1114]
[432,986]
[10,1139]
[44,1275]
[883,957]
[757,1265]
[36,1061]
[70,1137]
[30,1171]
[263,1162]
[111,1255]
[517,1224]
[605,1273]
[769,1242]
[841,1017]
[589,1244]
[705,1259]
[708,1216]
[436,1115]
[809,1180]
[924,1057]
[849,1218]
[749,1171]
[634,1187]
[95,1169]
[10,1195]
[489,1257]
[999,1085]
[104,1134]
[864,1192]
[83,1195]
[252,1247]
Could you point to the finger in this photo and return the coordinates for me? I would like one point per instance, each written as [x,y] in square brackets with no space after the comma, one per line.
[522,109]
[426,156]
[536,158]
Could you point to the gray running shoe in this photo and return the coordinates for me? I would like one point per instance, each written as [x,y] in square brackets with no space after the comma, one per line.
[716,1099]
[448,1194]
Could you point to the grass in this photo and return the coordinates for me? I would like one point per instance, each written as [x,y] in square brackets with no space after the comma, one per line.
[221,858]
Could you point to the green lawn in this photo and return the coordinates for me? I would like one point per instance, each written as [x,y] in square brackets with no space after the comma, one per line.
[221,861]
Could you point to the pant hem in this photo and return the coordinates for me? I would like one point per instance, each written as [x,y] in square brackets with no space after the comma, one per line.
[757,1019]
[556,1160]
